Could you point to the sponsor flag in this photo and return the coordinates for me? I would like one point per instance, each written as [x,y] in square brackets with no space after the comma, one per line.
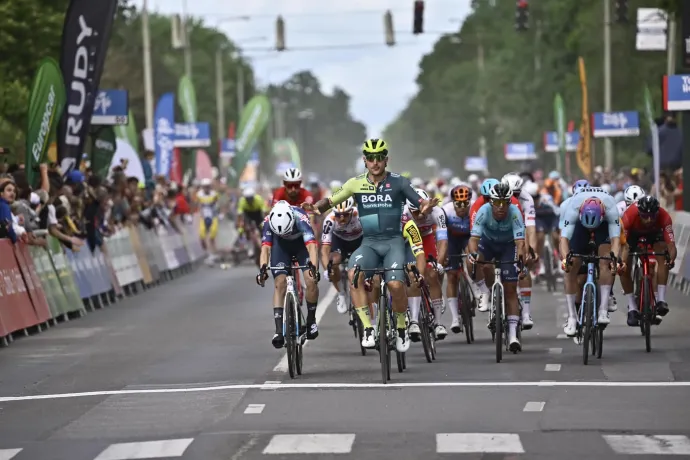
[584,154]
[128,132]
[164,133]
[559,116]
[253,122]
[85,37]
[45,106]
[103,150]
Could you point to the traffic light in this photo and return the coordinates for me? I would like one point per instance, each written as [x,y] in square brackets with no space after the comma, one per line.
[388,27]
[280,34]
[521,15]
[418,25]
[621,11]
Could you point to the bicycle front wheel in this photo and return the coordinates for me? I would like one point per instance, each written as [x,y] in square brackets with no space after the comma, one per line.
[588,305]
[647,312]
[384,352]
[498,323]
[290,333]
[424,328]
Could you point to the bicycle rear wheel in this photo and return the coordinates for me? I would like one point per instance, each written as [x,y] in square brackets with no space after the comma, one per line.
[498,324]
[465,310]
[299,348]
[424,329]
[290,335]
[384,352]
[548,270]
[647,312]
[588,305]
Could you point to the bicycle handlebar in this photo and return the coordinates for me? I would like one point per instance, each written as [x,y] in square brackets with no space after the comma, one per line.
[498,263]
[377,271]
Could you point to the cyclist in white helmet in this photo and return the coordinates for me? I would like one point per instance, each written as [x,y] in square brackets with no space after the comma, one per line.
[630,196]
[293,192]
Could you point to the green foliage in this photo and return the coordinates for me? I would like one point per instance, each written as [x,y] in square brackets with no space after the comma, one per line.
[522,73]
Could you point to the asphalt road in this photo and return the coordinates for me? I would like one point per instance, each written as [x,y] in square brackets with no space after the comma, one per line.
[187,371]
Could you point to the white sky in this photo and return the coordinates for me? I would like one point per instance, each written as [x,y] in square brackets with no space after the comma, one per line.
[379,79]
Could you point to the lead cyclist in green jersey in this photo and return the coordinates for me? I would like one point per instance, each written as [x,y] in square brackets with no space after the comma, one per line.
[380,197]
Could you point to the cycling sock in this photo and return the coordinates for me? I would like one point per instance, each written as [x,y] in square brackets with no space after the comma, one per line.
[311,312]
[526,299]
[413,303]
[453,307]
[437,304]
[400,320]
[661,296]
[631,302]
[278,318]
[512,326]
[570,299]
[363,313]
[605,290]
[482,287]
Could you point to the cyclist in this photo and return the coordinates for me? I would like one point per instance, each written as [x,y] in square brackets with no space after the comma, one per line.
[380,196]
[293,192]
[341,235]
[432,227]
[251,208]
[208,227]
[499,233]
[585,215]
[630,196]
[648,219]
[481,273]
[287,234]
[514,181]
[458,221]
[545,218]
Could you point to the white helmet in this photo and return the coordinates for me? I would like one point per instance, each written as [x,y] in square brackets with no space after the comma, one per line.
[345,206]
[281,219]
[532,188]
[606,188]
[292,175]
[335,184]
[472,178]
[422,194]
[248,192]
[417,182]
[513,181]
[455,181]
[206,182]
[633,193]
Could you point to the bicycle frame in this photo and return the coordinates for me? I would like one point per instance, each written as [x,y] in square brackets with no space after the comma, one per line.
[592,276]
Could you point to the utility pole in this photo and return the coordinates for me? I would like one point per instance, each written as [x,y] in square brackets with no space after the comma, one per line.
[187,41]
[148,78]
[220,100]
[671,45]
[608,145]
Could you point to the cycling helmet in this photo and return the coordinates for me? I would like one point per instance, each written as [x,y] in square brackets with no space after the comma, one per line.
[422,194]
[281,219]
[579,185]
[249,192]
[500,191]
[606,188]
[648,205]
[487,185]
[633,193]
[335,185]
[554,175]
[345,206]
[461,193]
[591,213]
[206,182]
[292,175]
[513,181]
[473,178]
[532,188]
[431,187]
[455,181]
[375,146]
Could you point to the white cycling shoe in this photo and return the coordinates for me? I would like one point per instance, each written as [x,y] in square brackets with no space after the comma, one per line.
[368,341]
[341,304]
[570,328]
[415,332]
[527,322]
[613,304]
[440,332]
[603,317]
[402,341]
[483,302]
[456,326]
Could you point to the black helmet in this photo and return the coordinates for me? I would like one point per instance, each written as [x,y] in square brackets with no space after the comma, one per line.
[648,205]
[500,191]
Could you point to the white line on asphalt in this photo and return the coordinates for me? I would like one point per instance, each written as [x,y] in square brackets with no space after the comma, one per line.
[310,444]
[350,386]
[650,445]
[7,454]
[555,351]
[467,443]
[272,382]
[552,367]
[149,449]
[561,336]
[254,408]
[321,308]
[534,406]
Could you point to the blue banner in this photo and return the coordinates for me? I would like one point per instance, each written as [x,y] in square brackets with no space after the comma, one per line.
[520,151]
[474,164]
[111,108]
[615,124]
[227,149]
[551,141]
[192,135]
[164,133]
[677,92]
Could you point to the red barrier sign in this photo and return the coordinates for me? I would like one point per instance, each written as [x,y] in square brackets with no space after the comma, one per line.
[16,309]
[33,282]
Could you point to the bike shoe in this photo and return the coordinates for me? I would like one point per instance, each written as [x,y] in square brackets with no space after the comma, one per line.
[415,332]
[278,341]
[633,318]
[368,341]
[312,331]
[661,308]
[515,345]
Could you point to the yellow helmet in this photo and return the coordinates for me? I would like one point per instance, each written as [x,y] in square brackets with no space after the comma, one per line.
[375,146]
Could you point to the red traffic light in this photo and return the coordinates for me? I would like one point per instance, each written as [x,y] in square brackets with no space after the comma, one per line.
[522,4]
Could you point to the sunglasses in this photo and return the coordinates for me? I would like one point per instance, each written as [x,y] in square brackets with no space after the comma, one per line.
[343,214]
[645,216]
[461,204]
[292,184]
[371,157]
[500,203]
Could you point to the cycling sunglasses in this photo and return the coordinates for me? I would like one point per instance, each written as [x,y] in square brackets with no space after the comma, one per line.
[500,203]
[461,204]
[648,217]
[343,214]
[375,157]
[292,184]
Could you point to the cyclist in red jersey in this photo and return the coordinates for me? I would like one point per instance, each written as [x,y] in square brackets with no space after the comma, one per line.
[647,219]
[293,192]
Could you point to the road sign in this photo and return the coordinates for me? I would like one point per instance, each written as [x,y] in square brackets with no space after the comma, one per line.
[677,92]
[475,164]
[551,141]
[520,151]
[616,124]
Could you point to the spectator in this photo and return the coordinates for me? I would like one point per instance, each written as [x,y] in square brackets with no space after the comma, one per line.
[670,143]
[7,193]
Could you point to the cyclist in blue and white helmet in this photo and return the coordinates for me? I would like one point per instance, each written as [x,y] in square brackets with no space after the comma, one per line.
[579,185]
[577,188]
[486,187]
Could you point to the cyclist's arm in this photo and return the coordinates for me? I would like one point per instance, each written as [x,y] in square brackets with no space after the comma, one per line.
[614,222]
[340,195]
[414,239]
[477,230]
[326,238]
[519,232]
[308,236]
[266,243]
[441,235]
[667,228]
[569,218]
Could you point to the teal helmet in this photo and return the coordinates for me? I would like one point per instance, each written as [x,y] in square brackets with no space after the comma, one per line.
[487,185]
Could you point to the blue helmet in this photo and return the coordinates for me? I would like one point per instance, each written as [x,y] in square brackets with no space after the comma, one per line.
[591,213]
[579,185]
[487,185]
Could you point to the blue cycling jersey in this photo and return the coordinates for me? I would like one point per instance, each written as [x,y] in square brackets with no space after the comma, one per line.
[302,228]
[511,228]
[571,216]
[561,215]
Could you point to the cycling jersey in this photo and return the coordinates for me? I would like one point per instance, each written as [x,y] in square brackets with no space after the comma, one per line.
[571,216]
[435,221]
[509,229]
[481,201]
[257,205]
[527,207]
[622,206]
[634,226]
[301,229]
[208,203]
[457,226]
[349,231]
[561,212]
[302,197]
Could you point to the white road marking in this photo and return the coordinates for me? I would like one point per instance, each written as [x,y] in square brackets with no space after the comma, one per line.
[466,443]
[310,444]
[649,445]
[561,336]
[351,386]
[552,367]
[321,308]
[272,382]
[7,454]
[555,351]
[534,406]
[254,408]
[150,449]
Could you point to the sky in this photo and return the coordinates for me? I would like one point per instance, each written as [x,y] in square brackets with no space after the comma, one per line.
[379,79]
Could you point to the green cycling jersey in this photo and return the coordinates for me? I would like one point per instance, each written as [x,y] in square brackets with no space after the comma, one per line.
[380,206]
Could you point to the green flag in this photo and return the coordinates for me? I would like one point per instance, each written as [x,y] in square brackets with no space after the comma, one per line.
[253,122]
[559,116]
[128,132]
[186,97]
[286,149]
[103,150]
[648,106]
[45,106]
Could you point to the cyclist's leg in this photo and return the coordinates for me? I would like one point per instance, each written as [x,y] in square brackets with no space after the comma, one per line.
[456,245]
[628,284]
[605,282]
[541,226]
[202,233]
[508,251]
[212,232]
[525,291]
[578,245]
[414,300]
[393,252]
[368,259]
[299,250]
[279,258]
[434,282]
[335,258]
[486,252]
[662,272]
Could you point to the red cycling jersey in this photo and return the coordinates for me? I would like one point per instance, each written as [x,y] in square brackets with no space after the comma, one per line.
[303,197]
[631,223]
[479,202]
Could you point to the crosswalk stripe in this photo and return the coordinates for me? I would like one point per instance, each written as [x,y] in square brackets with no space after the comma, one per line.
[143,450]
[310,444]
[467,443]
[649,444]
[8,454]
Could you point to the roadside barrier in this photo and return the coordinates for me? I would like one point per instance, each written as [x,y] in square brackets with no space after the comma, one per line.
[40,287]
[680,273]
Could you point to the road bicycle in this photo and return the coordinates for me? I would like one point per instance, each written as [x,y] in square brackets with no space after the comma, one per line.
[549,259]
[385,334]
[353,317]
[427,319]
[466,300]
[498,323]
